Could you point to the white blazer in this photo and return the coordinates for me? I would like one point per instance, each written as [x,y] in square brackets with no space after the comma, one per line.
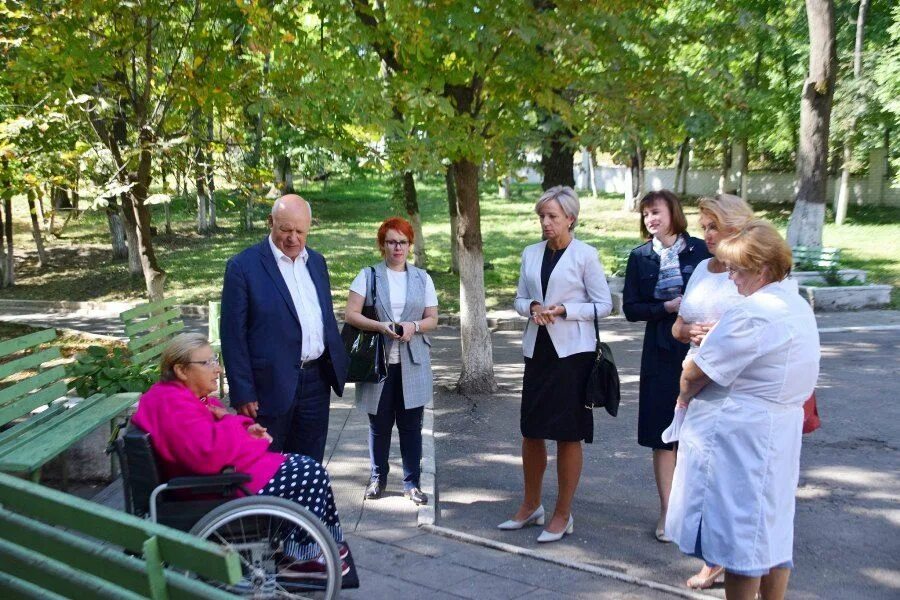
[578,283]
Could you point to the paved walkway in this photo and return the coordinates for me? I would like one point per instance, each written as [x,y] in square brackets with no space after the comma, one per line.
[846,523]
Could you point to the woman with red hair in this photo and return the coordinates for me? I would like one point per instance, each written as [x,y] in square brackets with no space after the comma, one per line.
[406,305]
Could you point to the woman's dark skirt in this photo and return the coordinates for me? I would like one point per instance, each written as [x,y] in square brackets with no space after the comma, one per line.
[553,394]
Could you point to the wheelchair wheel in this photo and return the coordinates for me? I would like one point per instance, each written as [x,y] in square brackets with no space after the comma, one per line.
[258,528]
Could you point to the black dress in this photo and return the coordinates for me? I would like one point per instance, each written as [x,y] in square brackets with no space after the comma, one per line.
[662,354]
[553,389]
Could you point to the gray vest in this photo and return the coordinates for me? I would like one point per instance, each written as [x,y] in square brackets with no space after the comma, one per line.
[415,356]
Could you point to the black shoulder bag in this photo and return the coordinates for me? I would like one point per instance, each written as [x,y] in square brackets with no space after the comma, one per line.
[603,382]
[367,358]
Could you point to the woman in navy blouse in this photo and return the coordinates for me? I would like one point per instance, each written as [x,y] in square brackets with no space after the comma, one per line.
[655,278]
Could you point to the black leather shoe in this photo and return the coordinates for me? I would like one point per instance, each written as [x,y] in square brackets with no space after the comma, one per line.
[416,495]
[374,490]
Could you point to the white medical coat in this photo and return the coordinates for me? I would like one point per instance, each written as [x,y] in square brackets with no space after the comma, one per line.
[739,448]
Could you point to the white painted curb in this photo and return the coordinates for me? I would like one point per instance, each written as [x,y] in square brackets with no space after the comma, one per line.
[511,549]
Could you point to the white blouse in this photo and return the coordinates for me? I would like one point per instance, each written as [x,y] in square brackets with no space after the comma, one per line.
[397,283]
[707,296]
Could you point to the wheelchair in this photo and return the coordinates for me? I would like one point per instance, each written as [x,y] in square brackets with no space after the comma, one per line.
[212,507]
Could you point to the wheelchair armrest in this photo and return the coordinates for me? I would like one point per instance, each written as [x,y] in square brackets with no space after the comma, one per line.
[200,482]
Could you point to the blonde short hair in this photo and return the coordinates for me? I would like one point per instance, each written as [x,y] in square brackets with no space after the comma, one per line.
[567,198]
[727,211]
[178,352]
[755,247]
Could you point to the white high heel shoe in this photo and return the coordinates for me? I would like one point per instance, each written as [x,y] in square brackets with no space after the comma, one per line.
[546,536]
[536,518]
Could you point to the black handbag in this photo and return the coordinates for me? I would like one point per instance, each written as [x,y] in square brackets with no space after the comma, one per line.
[603,382]
[367,359]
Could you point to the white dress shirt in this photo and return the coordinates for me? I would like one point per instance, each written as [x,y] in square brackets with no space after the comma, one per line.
[306,302]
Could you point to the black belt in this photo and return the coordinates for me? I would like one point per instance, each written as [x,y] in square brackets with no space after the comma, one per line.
[309,364]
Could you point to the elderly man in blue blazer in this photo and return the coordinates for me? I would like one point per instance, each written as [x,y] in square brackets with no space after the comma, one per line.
[280,339]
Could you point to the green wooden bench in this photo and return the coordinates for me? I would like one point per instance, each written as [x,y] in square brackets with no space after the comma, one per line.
[37,422]
[816,258]
[149,328]
[53,545]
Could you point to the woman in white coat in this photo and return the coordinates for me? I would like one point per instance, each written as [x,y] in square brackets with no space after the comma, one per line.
[709,293]
[732,500]
[562,288]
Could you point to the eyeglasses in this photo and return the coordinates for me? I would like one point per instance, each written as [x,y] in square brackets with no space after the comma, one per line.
[396,243]
[208,363]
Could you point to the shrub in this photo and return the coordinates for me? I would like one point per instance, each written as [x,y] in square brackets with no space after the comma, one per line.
[99,370]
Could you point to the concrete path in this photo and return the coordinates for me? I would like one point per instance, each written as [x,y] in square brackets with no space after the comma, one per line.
[847,525]
[846,543]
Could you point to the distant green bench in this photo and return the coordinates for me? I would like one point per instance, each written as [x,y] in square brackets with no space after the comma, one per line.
[29,438]
[215,337]
[53,545]
[816,258]
[149,328]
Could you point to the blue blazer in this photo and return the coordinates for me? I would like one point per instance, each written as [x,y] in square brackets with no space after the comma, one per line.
[261,336]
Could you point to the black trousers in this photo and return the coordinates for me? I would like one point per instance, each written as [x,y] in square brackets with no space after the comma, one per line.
[391,409]
[304,428]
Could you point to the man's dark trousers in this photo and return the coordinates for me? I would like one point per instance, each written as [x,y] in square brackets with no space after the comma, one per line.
[304,428]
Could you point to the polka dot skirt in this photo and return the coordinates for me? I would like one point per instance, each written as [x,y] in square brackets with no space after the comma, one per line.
[305,481]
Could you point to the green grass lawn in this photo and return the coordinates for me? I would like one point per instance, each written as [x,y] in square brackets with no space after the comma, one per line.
[346,218]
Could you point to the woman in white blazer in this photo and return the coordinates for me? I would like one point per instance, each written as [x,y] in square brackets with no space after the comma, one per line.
[732,500]
[561,288]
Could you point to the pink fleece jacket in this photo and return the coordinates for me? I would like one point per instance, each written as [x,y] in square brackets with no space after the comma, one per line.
[188,439]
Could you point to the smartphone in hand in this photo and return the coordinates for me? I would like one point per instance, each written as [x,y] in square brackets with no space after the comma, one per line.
[397,328]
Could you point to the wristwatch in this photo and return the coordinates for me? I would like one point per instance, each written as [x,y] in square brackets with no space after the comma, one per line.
[416,325]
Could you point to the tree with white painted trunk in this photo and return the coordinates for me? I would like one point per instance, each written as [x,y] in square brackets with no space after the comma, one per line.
[808,216]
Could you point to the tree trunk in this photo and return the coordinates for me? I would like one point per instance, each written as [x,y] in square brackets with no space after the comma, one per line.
[154,276]
[683,149]
[843,196]
[592,175]
[743,165]
[637,173]
[725,173]
[453,208]
[558,161]
[503,188]
[9,278]
[411,204]
[477,375]
[126,213]
[808,217]
[36,229]
[40,207]
[200,187]
[284,174]
[3,264]
[167,206]
[686,169]
[210,173]
[116,232]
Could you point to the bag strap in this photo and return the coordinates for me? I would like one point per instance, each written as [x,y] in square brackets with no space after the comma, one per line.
[374,285]
[596,327]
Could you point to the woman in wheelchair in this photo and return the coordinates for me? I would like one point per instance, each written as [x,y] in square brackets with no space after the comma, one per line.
[192,433]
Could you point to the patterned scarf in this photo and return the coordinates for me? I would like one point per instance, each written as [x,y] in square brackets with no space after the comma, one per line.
[670,284]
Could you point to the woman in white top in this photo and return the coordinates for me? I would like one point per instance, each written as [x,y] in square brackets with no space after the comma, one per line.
[406,305]
[562,288]
[732,500]
[708,294]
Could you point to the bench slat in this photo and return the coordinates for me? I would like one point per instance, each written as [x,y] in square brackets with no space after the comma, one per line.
[107,562]
[18,589]
[135,344]
[28,362]
[147,308]
[178,548]
[57,576]
[13,408]
[38,447]
[26,341]
[147,324]
[31,423]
